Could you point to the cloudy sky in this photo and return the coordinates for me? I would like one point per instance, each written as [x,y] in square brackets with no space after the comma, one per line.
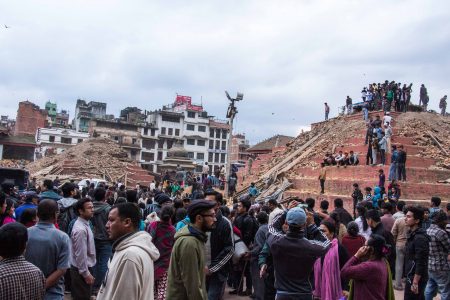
[287,57]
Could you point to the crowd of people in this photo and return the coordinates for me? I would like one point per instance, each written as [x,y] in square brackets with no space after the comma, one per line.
[107,242]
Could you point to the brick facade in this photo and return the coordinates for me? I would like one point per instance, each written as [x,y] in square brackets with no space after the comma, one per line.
[29,118]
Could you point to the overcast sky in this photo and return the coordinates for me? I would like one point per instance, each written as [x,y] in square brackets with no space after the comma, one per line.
[287,57]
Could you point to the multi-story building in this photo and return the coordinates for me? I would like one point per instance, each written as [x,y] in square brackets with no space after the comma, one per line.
[52,141]
[84,112]
[189,125]
[29,118]
[62,119]
[7,124]
[51,112]
[239,146]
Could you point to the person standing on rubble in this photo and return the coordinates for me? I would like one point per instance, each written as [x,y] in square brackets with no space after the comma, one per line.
[322,177]
[327,111]
[348,104]
[443,105]
[423,94]
[401,164]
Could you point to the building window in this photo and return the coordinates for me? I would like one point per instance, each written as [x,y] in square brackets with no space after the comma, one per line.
[202,128]
[177,132]
[200,143]
[169,144]
[211,133]
[51,139]
[190,142]
[211,144]
[190,154]
[170,131]
[222,158]
[148,144]
[217,133]
[210,157]
[145,131]
[200,155]
[116,138]
[173,119]
[217,145]
[163,130]
[147,156]
[160,144]
[224,145]
[66,140]
[80,141]
[190,127]
[216,157]
[133,141]
[153,131]
[224,134]
[198,169]
[191,114]
[160,155]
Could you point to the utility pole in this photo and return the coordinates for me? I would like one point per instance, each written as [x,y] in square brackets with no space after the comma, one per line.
[231,113]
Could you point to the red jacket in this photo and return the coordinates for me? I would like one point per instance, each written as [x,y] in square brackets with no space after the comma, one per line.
[352,244]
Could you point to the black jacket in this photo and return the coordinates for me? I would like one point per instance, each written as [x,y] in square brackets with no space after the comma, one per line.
[101,211]
[248,227]
[222,247]
[401,157]
[416,256]
[294,256]
[344,216]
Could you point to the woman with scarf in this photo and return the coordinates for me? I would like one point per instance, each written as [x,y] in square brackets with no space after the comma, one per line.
[369,272]
[327,274]
[8,214]
[162,233]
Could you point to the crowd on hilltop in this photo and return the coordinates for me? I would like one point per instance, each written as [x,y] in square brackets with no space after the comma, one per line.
[113,242]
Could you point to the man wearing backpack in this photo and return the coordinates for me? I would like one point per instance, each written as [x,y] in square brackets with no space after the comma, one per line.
[66,206]
[103,245]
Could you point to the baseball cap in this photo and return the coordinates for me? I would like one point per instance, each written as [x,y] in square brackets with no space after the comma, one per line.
[296,216]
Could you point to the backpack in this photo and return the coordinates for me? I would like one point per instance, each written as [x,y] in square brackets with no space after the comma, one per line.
[65,217]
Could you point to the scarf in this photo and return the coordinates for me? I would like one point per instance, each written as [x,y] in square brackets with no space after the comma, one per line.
[327,277]
[390,287]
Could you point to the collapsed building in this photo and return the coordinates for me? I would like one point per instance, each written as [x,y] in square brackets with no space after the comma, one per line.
[294,172]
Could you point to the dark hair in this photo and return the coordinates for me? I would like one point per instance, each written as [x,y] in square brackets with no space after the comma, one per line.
[132,196]
[166,213]
[374,215]
[129,210]
[67,189]
[417,211]
[448,206]
[9,203]
[48,184]
[378,243]
[262,217]
[198,195]
[352,228]
[210,192]
[387,206]
[225,211]
[28,215]
[438,217]
[400,205]
[436,201]
[273,202]
[337,221]
[330,225]
[80,203]
[177,203]
[355,185]
[338,203]
[311,202]
[13,240]
[99,194]
[180,214]
[324,204]
[46,210]
[246,203]
[219,198]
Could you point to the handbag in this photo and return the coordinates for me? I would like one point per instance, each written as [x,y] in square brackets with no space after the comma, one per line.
[239,249]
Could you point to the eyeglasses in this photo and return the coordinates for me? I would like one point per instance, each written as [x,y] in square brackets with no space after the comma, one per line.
[210,215]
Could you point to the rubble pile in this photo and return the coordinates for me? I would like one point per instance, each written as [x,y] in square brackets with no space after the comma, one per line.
[430,131]
[13,163]
[93,158]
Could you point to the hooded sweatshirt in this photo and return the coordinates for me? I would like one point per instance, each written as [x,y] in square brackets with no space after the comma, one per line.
[376,196]
[101,211]
[130,269]
[186,280]
[49,195]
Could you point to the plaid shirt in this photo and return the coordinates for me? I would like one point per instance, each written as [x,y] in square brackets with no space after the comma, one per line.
[439,249]
[20,280]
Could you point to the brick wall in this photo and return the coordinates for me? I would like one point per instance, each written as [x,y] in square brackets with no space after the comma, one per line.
[29,118]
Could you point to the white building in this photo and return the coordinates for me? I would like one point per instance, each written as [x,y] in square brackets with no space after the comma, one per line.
[188,124]
[52,141]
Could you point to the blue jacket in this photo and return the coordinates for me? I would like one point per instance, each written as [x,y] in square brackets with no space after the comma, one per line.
[49,195]
[376,196]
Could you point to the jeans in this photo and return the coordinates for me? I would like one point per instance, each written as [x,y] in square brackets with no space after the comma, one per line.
[215,286]
[80,289]
[374,156]
[401,172]
[443,111]
[438,280]
[399,264]
[393,171]
[322,186]
[365,114]
[409,295]
[383,156]
[258,282]
[326,115]
[103,251]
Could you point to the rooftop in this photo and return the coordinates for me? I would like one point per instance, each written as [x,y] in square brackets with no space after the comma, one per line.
[275,141]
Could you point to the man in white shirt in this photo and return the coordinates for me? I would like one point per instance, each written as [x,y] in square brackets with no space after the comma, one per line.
[388,135]
[387,118]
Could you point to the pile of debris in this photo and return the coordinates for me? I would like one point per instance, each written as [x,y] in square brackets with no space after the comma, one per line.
[93,158]
[13,163]
[430,131]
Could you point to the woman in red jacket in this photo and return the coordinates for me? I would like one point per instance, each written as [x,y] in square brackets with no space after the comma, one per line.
[352,241]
